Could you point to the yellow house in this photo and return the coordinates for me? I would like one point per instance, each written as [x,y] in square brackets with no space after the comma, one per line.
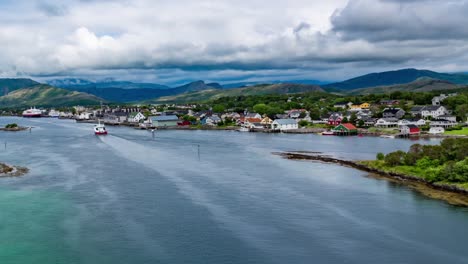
[266,121]
[360,106]
[365,106]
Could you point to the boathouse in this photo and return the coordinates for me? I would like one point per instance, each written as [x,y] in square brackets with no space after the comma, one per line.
[165,121]
[408,130]
[345,129]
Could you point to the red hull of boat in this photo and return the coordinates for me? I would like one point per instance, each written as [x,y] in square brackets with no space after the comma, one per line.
[100,133]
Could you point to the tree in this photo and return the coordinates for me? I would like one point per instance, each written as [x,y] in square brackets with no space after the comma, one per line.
[462,111]
[380,156]
[395,158]
[353,118]
[361,123]
[218,108]
[303,123]
[345,120]
[261,108]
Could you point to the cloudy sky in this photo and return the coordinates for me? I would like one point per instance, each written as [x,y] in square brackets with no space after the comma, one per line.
[170,42]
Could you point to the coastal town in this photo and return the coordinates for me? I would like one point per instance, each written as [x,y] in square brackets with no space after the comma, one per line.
[385,117]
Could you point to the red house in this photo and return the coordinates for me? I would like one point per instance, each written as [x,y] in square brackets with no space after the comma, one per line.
[335,119]
[410,130]
[184,123]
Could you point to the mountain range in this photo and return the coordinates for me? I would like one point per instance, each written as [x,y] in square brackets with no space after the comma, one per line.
[130,92]
[46,95]
[395,77]
[210,94]
[27,92]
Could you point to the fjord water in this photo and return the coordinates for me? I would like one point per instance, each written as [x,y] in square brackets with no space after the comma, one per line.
[129,198]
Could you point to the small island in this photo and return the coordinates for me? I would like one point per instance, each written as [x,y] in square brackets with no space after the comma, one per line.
[13,127]
[438,171]
[12,171]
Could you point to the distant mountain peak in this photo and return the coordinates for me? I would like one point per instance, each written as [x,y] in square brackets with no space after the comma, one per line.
[395,77]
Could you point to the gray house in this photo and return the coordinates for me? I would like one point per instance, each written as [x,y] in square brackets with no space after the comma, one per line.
[393,113]
[164,121]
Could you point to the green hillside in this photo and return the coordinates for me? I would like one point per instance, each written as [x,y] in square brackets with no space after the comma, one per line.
[45,95]
[395,77]
[212,94]
[9,85]
[420,85]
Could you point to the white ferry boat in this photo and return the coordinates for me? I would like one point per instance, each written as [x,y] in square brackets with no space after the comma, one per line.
[100,129]
[32,112]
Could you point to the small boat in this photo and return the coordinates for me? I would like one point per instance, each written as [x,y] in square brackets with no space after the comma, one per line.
[32,112]
[244,129]
[387,136]
[100,129]
[328,133]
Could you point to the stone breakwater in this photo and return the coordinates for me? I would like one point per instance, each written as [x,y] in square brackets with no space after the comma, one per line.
[459,197]
[12,171]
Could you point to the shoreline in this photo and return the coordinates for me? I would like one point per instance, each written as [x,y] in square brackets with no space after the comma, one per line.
[16,129]
[449,193]
[8,171]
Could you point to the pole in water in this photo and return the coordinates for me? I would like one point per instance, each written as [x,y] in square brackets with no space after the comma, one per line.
[198,151]
[152,131]
[5,144]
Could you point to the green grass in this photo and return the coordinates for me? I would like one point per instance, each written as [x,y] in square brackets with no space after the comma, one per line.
[463,132]
[409,171]
[384,130]
[406,170]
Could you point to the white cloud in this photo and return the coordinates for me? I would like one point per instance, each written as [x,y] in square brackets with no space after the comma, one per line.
[170,40]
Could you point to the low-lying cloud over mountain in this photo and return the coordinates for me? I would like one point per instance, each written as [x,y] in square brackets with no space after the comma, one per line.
[172,42]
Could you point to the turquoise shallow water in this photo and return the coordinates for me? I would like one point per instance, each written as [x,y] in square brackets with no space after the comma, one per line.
[126,198]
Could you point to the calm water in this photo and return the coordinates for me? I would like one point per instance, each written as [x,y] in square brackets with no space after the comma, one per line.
[126,198]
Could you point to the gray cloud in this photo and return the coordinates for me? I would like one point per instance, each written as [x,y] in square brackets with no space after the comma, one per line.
[52,9]
[167,41]
[382,20]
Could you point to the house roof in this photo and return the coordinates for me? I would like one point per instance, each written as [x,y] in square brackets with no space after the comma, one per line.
[417,108]
[285,121]
[412,126]
[432,107]
[251,115]
[214,117]
[253,120]
[165,118]
[390,119]
[133,114]
[349,126]
[391,110]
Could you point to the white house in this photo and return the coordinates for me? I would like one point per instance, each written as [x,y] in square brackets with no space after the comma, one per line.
[442,123]
[433,111]
[284,124]
[211,120]
[84,116]
[343,105]
[448,117]
[416,122]
[436,130]
[135,117]
[386,122]
[437,100]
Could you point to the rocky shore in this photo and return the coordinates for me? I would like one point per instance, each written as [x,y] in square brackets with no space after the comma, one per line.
[12,171]
[449,193]
[14,129]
